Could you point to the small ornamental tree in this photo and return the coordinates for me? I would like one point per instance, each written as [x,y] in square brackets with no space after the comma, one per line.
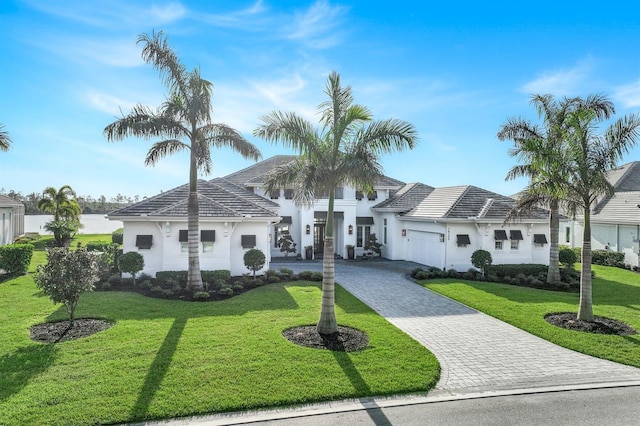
[131,263]
[481,259]
[373,245]
[286,243]
[254,260]
[567,257]
[67,274]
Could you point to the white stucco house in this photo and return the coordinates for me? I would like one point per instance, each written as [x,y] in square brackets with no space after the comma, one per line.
[11,219]
[615,220]
[432,226]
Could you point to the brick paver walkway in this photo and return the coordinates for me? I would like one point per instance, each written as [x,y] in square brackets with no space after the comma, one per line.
[476,352]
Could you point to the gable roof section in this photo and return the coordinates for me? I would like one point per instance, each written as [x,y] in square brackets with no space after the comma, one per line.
[408,197]
[9,202]
[623,206]
[465,202]
[216,198]
[256,174]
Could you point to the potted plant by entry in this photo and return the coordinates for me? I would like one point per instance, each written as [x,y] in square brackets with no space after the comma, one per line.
[308,252]
[351,251]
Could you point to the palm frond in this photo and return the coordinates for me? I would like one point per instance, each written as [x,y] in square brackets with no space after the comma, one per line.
[389,135]
[157,52]
[222,136]
[163,148]
[143,123]
[340,100]
[5,140]
[289,129]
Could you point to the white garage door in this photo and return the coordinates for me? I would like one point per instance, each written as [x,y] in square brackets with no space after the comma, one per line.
[425,248]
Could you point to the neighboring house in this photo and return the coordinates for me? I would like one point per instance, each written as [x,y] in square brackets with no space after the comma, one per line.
[447,225]
[11,220]
[615,220]
[433,226]
[232,221]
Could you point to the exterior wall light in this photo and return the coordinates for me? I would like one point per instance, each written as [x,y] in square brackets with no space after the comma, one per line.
[350,229]
[404,232]
[308,229]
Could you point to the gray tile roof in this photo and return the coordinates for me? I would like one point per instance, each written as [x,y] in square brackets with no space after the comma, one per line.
[217,199]
[623,206]
[255,175]
[464,202]
[8,202]
[406,198]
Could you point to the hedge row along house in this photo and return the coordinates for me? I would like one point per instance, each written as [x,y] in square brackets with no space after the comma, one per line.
[431,226]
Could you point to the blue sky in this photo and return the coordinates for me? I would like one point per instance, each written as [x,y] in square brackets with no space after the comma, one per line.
[456,70]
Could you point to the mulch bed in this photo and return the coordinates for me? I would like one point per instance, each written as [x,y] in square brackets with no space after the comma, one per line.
[347,339]
[600,325]
[60,331]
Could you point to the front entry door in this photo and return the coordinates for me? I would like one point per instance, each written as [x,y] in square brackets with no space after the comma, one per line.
[318,239]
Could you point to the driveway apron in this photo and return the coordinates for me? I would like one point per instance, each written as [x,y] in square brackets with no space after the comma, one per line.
[476,352]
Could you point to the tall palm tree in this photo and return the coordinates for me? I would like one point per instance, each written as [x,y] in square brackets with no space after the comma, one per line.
[184,121]
[5,140]
[538,151]
[589,156]
[344,150]
[62,203]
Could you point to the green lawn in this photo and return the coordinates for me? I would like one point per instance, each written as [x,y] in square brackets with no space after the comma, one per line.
[169,358]
[616,295]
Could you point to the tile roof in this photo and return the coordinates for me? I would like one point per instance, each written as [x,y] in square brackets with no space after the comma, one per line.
[217,198]
[623,206]
[8,201]
[464,202]
[406,198]
[255,175]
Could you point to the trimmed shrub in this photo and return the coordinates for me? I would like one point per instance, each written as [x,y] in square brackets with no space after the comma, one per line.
[117,236]
[180,276]
[567,257]
[226,291]
[452,273]
[201,295]
[482,260]
[211,276]
[607,258]
[131,262]
[15,258]
[254,260]
[515,269]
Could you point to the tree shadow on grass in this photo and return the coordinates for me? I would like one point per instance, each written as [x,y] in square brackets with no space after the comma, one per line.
[362,388]
[20,366]
[158,369]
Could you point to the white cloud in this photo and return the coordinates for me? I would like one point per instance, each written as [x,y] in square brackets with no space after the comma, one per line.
[316,27]
[629,94]
[106,103]
[561,82]
[170,12]
[241,19]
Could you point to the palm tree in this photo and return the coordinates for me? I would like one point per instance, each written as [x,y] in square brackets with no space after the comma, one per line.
[62,203]
[589,156]
[184,121]
[5,140]
[344,150]
[538,150]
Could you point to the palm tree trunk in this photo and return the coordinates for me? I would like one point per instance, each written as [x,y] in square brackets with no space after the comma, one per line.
[553,275]
[585,311]
[327,323]
[194,279]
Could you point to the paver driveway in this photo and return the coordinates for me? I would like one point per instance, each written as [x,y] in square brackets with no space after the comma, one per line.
[476,352]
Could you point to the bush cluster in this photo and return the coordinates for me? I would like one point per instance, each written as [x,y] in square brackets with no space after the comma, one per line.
[607,258]
[15,258]
[117,236]
[527,275]
[218,284]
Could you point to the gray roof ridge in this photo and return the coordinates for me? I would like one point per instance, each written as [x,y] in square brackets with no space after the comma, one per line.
[247,200]
[455,203]
[257,164]
[487,205]
[631,166]
[149,199]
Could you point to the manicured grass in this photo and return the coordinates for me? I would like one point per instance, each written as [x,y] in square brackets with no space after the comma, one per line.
[170,358]
[616,295]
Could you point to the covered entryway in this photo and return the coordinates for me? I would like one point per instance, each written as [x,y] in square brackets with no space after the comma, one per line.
[426,248]
[319,225]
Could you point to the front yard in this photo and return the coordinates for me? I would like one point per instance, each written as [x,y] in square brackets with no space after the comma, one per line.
[616,295]
[170,358]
